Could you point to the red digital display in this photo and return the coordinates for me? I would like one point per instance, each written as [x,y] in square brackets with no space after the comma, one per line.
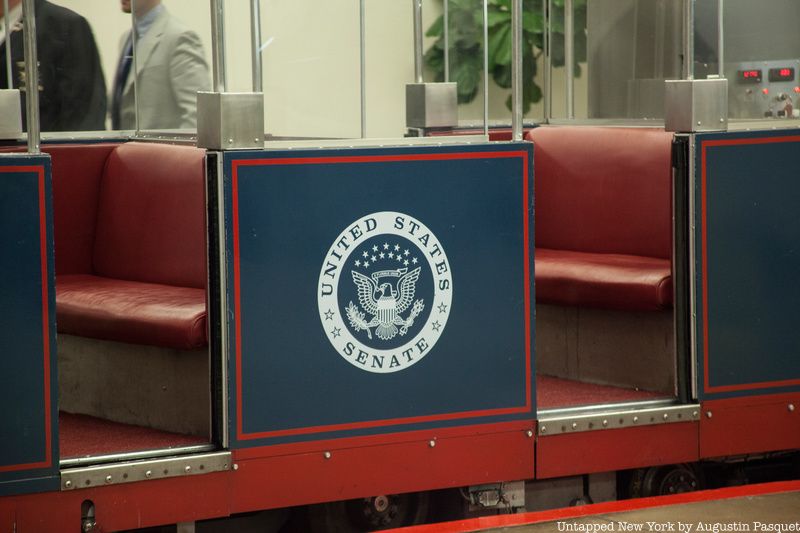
[750,76]
[781,74]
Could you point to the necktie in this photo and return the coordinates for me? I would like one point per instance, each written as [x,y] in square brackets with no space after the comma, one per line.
[123,70]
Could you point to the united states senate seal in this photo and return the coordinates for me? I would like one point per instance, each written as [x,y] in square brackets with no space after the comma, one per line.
[385,292]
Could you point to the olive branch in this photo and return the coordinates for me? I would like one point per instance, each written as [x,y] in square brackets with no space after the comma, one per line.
[356,319]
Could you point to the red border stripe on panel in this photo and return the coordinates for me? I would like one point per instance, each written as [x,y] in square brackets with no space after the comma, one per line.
[707,387]
[240,434]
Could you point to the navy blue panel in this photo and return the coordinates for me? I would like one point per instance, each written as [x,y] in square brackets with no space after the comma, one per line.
[297,373]
[753,262]
[23,431]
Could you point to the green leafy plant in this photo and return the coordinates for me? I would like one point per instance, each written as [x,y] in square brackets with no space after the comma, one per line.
[466,44]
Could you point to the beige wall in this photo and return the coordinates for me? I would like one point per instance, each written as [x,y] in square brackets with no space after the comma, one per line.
[311,62]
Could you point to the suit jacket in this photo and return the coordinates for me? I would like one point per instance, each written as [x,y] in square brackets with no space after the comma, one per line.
[72,94]
[170,69]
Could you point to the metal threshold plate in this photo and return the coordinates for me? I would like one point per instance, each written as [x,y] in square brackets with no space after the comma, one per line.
[616,419]
[144,470]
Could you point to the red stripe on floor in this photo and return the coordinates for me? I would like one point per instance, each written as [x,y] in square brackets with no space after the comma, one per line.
[483,523]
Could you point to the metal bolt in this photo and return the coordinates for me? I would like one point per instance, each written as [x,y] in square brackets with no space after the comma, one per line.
[256,139]
[708,414]
[108,479]
[695,414]
[529,433]
[635,419]
[327,455]
[188,469]
[699,123]
[68,484]
[235,466]
[605,422]
[574,425]
[230,141]
[544,429]
[666,416]
[148,474]
[721,120]
[791,407]
[432,443]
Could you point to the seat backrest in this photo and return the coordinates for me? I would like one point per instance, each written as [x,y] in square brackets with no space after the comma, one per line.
[151,215]
[603,189]
[77,171]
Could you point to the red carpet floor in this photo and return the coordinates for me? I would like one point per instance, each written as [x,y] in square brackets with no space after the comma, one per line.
[553,392]
[82,435]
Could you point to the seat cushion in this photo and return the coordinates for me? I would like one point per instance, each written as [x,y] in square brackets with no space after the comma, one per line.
[132,312]
[610,281]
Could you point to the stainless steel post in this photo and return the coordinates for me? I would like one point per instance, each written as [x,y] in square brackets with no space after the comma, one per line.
[31,76]
[569,56]
[255,36]
[688,39]
[446,33]
[417,40]
[9,75]
[135,70]
[485,67]
[721,37]
[516,70]
[362,53]
[218,45]
[546,79]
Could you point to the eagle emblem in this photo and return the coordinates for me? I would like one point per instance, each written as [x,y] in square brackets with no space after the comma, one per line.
[385,301]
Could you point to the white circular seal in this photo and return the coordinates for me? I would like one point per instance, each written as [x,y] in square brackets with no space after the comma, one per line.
[385,290]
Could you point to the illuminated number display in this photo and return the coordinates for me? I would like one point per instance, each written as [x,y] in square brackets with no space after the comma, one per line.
[781,74]
[750,76]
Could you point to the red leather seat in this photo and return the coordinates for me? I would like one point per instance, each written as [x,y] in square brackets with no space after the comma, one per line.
[130,243]
[603,217]
[131,311]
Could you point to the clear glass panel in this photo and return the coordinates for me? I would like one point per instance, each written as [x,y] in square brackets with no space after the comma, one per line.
[390,61]
[761,58]
[72,94]
[171,61]
[310,65]
[624,50]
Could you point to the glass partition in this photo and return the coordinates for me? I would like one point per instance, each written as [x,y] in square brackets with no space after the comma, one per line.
[630,47]
[393,53]
[162,65]
[760,56]
[623,51]
[72,87]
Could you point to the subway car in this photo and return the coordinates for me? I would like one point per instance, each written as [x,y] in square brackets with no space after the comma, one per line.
[222,329]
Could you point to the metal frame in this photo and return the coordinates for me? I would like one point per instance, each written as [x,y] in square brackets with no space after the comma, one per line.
[32,76]
[133,471]
[9,76]
[693,378]
[218,63]
[223,305]
[616,419]
[569,56]
[362,55]
[255,38]
[93,460]
[418,56]
[516,70]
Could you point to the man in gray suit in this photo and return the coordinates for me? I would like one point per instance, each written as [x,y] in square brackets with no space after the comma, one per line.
[170,69]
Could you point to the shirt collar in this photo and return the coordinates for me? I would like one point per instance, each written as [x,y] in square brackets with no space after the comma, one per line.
[144,22]
[14,16]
